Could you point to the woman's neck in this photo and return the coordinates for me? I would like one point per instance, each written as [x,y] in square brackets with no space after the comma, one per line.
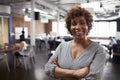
[83,42]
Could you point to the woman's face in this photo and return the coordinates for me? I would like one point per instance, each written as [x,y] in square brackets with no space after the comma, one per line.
[79,27]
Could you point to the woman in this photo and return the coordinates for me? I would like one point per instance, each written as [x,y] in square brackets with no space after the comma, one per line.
[81,58]
[19,50]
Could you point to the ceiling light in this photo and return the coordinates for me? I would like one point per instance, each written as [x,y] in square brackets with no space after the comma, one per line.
[36,10]
[27,18]
[94,5]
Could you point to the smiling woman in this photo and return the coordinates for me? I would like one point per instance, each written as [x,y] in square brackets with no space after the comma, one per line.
[80,58]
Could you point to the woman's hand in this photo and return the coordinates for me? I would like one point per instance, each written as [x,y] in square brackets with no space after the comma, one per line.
[54,62]
[68,74]
[80,73]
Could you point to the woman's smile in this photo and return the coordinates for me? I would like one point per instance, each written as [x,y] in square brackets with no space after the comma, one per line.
[79,27]
[78,33]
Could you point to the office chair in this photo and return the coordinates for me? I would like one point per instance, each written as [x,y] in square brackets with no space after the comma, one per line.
[26,57]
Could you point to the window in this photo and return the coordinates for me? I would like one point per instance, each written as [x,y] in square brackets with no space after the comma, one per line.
[103,29]
[59,29]
[99,29]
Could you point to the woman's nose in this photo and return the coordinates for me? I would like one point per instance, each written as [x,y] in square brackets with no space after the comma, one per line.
[77,26]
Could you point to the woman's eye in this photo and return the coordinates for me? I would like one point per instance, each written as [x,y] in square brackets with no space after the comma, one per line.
[74,24]
[82,23]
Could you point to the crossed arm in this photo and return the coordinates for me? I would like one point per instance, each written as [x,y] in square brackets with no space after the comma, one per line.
[93,71]
[53,69]
[68,74]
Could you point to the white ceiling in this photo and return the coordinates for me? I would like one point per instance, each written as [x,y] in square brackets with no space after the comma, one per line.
[103,9]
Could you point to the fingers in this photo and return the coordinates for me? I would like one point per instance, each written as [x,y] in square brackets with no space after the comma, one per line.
[54,62]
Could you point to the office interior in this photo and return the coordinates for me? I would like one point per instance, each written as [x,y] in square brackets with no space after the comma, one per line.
[44,26]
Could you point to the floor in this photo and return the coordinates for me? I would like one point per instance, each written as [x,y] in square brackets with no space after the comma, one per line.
[36,71]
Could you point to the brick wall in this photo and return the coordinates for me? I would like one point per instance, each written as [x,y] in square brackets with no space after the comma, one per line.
[18,21]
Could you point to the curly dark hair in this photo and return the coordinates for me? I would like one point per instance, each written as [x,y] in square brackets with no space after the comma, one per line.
[76,12]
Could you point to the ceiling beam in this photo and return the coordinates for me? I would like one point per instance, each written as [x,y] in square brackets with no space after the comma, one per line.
[51,6]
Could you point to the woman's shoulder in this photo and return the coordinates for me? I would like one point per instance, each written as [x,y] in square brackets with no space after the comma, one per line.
[98,47]
[95,46]
[23,41]
[66,42]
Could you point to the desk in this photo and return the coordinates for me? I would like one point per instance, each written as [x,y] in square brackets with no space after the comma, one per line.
[10,58]
[4,57]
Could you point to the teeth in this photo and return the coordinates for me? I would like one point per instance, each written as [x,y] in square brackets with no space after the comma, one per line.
[78,33]
[76,30]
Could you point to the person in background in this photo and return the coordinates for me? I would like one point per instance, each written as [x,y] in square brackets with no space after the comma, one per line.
[18,49]
[22,36]
[80,58]
[112,45]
